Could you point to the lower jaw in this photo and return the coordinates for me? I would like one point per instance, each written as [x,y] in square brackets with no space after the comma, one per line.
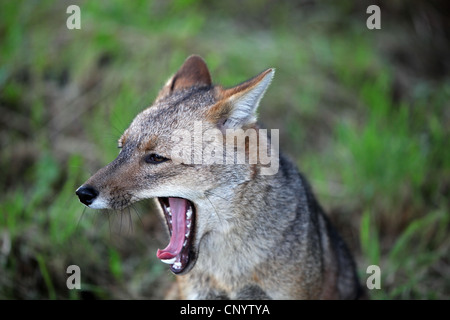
[187,265]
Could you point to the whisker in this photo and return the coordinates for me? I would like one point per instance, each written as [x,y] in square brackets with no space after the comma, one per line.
[130,227]
[121,221]
[216,195]
[79,219]
[95,223]
[137,213]
[108,214]
[217,213]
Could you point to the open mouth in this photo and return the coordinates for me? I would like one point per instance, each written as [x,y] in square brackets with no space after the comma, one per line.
[180,218]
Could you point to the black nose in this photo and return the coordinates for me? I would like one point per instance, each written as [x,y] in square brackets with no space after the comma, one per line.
[87,194]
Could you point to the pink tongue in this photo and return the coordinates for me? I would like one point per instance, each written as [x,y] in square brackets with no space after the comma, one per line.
[178,208]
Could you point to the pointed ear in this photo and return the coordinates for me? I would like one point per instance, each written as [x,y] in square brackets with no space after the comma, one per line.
[237,106]
[193,72]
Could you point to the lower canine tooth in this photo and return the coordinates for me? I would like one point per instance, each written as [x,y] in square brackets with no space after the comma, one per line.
[168,261]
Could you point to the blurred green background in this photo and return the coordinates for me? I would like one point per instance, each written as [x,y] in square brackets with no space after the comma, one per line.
[364,113]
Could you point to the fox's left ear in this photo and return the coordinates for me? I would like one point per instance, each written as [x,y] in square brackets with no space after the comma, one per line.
[236,107]
[193,72]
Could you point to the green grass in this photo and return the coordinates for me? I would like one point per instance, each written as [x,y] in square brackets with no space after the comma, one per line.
[379,162]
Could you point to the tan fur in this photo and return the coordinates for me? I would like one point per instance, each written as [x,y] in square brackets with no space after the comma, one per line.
[256,236]
[219,111]
[149,144]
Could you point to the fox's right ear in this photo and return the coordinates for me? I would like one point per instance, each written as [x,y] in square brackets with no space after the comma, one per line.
[193,72]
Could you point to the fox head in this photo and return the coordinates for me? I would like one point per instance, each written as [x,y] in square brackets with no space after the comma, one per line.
[162,155]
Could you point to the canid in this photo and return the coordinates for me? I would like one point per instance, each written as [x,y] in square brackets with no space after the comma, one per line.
[235,231]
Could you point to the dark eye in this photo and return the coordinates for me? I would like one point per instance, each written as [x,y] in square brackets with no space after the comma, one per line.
[154,158]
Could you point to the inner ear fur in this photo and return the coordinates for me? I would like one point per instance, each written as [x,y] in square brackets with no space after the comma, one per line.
[236,106]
